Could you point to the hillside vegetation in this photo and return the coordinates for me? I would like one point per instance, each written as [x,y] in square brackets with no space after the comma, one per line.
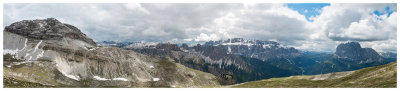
[384,76]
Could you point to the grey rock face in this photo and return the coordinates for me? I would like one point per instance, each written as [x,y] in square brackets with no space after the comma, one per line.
[47,29]
[34,56]
[354,51]
[264,50]
[351,50]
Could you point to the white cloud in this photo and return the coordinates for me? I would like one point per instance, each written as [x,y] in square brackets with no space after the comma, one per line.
[259,21]
[337,23]
[205,37]
[307,45]
[356,22]
[136,6]
[382,46]
[188,39]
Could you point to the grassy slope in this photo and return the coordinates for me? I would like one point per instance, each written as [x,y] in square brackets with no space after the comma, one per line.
[384,76]
[15,83]
[31,75]
[198,81]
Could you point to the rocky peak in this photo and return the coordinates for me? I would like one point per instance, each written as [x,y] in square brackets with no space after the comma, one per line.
[350,49]
[242,41]
[47,29]
[353,50]
[185,46]
[261,49]
[348,46]
[168,46]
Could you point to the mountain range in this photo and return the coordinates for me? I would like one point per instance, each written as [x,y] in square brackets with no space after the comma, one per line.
[249,60]
[48,53]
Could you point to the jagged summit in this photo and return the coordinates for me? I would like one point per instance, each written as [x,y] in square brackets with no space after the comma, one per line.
[353,50]
[241,41]
[47,29]
[261,49]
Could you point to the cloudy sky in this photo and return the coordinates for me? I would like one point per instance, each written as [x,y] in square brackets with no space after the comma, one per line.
[310,27]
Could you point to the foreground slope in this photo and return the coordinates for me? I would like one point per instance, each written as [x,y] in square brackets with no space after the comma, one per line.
[48,53]
[380,76]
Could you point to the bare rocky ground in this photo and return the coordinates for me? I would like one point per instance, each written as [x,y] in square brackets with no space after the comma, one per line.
[48,53]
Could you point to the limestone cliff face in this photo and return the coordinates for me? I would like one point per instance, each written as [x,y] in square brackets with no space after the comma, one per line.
[353,50]
[55,54]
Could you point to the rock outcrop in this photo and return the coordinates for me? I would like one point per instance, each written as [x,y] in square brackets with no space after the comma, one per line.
[59,55]
[47,29]
[353,50]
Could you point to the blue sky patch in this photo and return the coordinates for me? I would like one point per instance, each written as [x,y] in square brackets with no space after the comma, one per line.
[307,9]
[387,11]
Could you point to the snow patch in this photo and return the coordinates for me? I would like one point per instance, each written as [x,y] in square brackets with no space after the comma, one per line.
[19,63]
[9,51]
[283,46]
[99,78]
[229,50]
[71,76]
[93,49]
[238,43]
[184,50]
[37,46]
[105,79]
[151,66]
[30,58]
[122,79]
[26,55]
[85,48]
[40,54]
[40,25]
[156,79]
[266,46]
[26,41]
